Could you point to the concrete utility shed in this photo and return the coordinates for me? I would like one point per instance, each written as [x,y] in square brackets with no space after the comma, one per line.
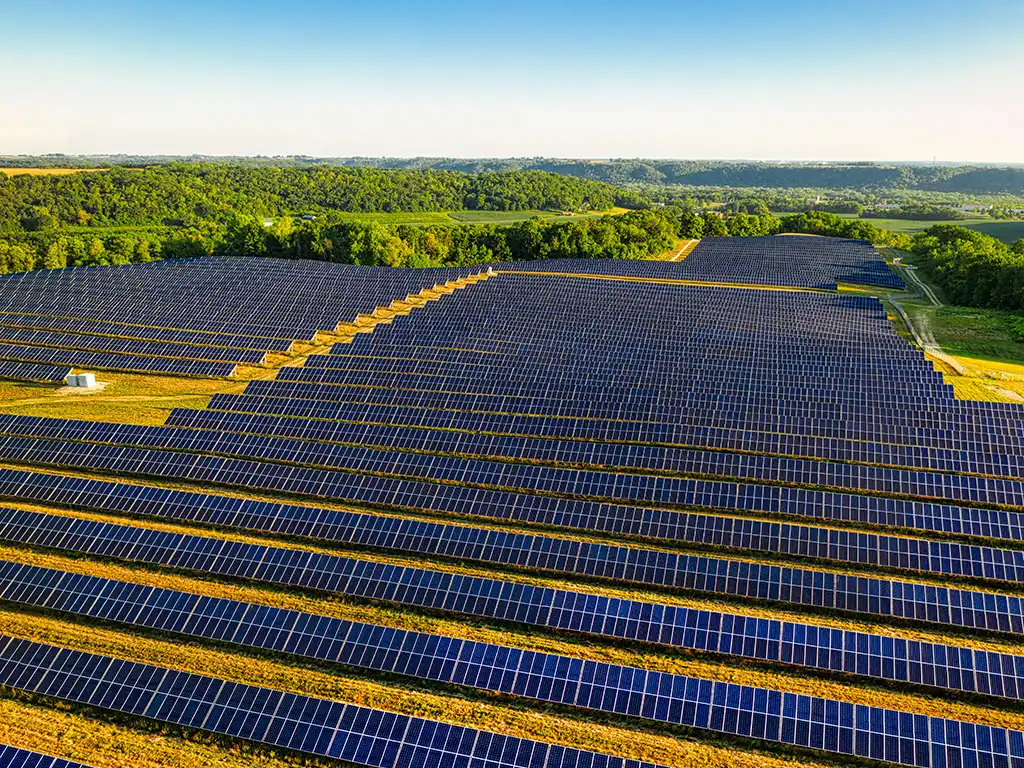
[84,380]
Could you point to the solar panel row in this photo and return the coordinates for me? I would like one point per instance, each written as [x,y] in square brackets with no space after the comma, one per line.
[860,417]
[112,362]
[750,260]
[708,427]
[626,382]
[786,642]
[627,691]
[355,734]
[717,464]
[11,757]
[140,332]
[302,297]
[47,374]
[468,434]
[525,507]
[73,341]
[121,319]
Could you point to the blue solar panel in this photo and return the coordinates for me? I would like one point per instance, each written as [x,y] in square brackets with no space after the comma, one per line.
[12,757]
[547,677]
[794,426]
[357,735]
[805,645]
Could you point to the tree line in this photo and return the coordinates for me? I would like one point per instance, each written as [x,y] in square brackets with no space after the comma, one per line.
[966,179]
[972,268]
[632,235]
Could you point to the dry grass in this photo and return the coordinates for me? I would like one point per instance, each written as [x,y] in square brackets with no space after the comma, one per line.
[126,399]
[48,171]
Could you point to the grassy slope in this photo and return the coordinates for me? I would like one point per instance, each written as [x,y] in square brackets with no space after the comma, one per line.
[979,338]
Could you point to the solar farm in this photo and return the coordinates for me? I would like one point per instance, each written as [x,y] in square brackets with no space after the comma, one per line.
[551,514]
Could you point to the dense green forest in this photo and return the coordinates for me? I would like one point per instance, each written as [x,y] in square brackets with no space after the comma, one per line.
[123,216]
[632,235]
[973,269]
[126,216]
[965,179]
[185,195]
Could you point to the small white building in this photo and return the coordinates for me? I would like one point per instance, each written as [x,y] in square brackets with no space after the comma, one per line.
[83,380]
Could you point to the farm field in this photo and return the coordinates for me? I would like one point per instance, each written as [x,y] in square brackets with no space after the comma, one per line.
[468,217]
[45,171]
[719,511]
[1007,231]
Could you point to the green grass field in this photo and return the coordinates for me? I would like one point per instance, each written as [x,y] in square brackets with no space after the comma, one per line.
[426,217]
[495,217]
[469,217]
[510,217]
[1007,231]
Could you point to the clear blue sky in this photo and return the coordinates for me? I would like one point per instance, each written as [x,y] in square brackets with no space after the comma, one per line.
[859,79]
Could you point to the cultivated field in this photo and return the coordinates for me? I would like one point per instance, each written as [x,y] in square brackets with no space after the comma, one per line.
[470,217]
[1007,231]
[46,171]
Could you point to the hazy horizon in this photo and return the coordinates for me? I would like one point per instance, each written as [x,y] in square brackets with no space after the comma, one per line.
[797,81]
[499,158]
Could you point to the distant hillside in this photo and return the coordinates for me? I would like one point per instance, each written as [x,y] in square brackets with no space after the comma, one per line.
[866,177]
[189,193]
[965,179]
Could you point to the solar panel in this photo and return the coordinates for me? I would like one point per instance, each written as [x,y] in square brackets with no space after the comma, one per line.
[776,427]
[12,757]
[45,374]
[528,506]
[357,735]
[605,687]
[795,643]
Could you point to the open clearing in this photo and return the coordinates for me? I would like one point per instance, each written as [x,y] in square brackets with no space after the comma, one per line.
[47,171]
[470,217]
[1007,231]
